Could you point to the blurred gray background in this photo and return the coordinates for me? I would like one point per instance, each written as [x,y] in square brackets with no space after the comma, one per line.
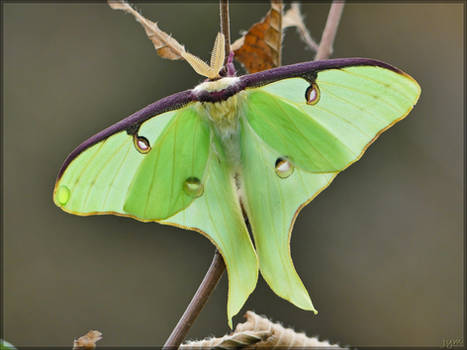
[381,250]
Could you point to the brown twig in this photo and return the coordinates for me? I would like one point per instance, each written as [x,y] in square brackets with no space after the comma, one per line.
[205,289]
[330,30]
[294,18]
[217,267]
[225,25]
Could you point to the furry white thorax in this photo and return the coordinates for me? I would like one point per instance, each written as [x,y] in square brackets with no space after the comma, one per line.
[223,114]
[224,117]
[216,85]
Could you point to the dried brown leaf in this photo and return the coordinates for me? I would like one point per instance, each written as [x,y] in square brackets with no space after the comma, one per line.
[237,44]
[285,338]
[260,48]
[87,341]
[238,340]
[293,18]
[166,46]
[260,333]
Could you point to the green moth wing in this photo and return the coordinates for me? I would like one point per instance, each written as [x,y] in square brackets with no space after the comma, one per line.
[271,202]
[267,143]
[218,213]
[351,106]
[297,134]
[171,177]
[120,175]
[169,168]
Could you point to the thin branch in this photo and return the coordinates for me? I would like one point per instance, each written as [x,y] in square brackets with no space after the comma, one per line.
[330,30]
[294,18]
[205,289]
[225,25]
[217,267]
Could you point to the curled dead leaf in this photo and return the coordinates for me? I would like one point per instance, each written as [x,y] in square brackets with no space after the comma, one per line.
[166,46]
[238,340]
[260,48]
[87,341]
[285,338]
[259,332]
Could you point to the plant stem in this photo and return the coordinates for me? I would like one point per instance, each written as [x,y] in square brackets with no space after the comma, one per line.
[205,289]
[330,30]
[217,267]
[225,25]
[278,7]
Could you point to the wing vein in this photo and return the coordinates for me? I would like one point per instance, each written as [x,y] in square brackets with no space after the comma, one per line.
[174,158]
[155,168]
[265,119]
[99,172]
[390,105]
[388,86]
[89,162]
[349,122]
[356,106]
[116,174]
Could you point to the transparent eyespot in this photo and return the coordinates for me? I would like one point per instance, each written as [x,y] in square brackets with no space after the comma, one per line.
[193,187]
[283,167]
[141,144]
[63,195]
[312,94]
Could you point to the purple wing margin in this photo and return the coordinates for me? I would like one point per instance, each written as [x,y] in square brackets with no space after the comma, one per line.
[308,68]
[132,122]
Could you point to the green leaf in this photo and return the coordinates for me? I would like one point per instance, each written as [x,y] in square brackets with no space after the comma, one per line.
[4,345]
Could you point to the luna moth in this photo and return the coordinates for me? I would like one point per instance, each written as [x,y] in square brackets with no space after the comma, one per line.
[257,147]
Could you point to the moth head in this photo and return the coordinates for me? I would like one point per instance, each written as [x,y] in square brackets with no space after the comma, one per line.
[212,70]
